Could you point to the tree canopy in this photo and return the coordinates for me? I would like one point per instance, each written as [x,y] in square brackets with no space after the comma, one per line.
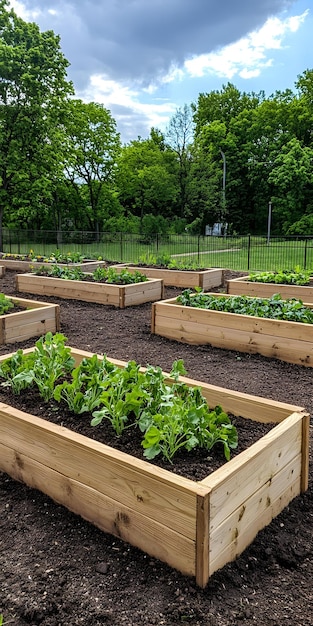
[221,159]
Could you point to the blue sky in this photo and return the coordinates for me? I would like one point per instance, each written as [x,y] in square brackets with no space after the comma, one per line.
[144,59]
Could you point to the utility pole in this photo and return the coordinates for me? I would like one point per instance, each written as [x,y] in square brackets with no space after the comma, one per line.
[224,178]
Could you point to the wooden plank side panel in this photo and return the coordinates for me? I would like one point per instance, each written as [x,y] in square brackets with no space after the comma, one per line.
[305,452]
[12,264]
[291,350]
[169,499]
[263,502]
[68,289]
[266,290]
[213,278]
[202,541]
[100,293]
[35,329]
[104,512]
[239,544]
[138,293]
[2,331]
[252,325]
[232,484]
[16,320]
[31,322]
[206,279]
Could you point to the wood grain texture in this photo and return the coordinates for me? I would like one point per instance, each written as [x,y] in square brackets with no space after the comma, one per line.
[289,341]
[100,293]
[206,279]
[37,319]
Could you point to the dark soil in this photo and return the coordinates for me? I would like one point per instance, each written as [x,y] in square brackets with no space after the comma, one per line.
[196,464]
[58,570]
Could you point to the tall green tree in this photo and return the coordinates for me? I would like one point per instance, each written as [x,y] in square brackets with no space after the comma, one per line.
[215,115]
[33,91]
[147,183]
[292,179]
[179,137]
[266,143]
[91,153]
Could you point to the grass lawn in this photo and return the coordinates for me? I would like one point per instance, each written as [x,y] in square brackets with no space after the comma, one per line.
[238,253]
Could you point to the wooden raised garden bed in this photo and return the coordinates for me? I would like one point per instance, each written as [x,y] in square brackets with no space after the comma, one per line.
[206,279]
[285,340]
[120,296]
[195,527]
[241,286]
[37,319]
[24,266]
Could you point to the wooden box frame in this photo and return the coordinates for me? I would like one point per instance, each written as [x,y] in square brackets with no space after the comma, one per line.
[37,319]
[195,527]
[206,279]
[26,266]
[288,341]
[240,286]
[120,296]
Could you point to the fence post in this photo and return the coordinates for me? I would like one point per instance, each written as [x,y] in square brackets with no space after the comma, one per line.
[199,249]
[305,253]
[249,246]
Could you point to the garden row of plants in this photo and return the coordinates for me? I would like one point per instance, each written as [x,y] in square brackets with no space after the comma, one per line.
[275,307]
[100,274]
[55,257]
[295,276]
[170,417]
[6,304]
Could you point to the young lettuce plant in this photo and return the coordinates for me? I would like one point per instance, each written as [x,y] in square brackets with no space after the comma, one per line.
[183,426]
[184,420]
[82,394]
[17,371]
[52,359]
[121,398]
[5,304]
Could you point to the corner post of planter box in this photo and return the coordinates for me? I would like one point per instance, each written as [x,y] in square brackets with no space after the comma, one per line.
[122,298]
[202,540]
[305,452]
[153,306]
[162,289]
[57,318]
[2,331]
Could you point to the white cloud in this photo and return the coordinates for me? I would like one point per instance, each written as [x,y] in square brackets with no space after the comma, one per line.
[248,56]
[138,59]
[20,9]
[124,99]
